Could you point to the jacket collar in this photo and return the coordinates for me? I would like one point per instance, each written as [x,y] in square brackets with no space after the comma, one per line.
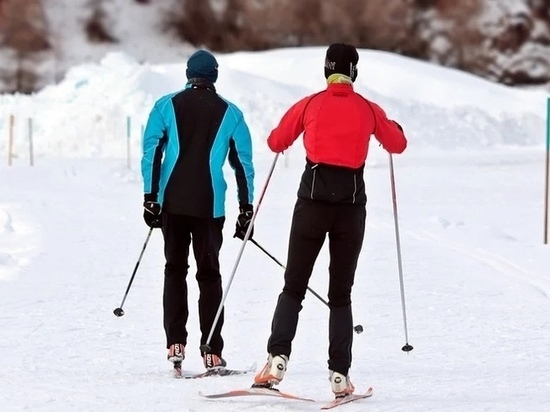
[339,86]
[200,83]
[339,78]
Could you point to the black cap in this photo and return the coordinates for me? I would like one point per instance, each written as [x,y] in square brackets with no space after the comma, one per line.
[341,58]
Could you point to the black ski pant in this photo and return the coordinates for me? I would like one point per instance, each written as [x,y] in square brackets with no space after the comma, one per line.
[206,235]
[311,222]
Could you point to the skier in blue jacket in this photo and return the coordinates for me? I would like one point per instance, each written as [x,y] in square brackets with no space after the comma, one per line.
[189,136]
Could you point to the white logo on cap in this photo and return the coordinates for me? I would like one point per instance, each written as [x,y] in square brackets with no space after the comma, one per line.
[330,65]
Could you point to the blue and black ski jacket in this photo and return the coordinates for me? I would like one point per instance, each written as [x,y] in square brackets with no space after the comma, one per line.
[188,137]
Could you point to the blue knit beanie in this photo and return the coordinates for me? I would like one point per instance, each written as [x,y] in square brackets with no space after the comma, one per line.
[202,64]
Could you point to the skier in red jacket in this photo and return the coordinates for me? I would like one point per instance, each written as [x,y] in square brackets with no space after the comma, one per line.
[336,124]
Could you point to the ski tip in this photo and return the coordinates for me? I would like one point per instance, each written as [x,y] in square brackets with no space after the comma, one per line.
[348,398]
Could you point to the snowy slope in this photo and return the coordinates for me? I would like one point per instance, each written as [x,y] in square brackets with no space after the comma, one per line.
[470,201]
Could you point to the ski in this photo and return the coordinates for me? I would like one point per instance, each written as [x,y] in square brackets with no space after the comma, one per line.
[347,399]
[221,372]
[256,391]
[180,374]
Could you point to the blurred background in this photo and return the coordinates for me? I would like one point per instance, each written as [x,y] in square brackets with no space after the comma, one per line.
[506,41]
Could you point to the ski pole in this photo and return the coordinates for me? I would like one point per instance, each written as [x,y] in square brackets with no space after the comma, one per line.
[547,168]
[407,347]
[357,328]
[118,311]
[205,348]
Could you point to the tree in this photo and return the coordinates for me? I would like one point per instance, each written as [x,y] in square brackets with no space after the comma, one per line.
[25,37]
[96,25]
[196,23]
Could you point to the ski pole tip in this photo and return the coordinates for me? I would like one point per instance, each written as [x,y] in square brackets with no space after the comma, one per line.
[407,348]
[118,312]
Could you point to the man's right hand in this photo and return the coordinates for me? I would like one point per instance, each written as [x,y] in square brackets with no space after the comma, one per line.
[152,214]
[243,222]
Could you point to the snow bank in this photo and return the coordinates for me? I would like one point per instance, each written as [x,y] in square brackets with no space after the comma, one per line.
[87,114]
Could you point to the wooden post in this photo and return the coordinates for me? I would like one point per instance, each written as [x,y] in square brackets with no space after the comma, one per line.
[128,140]
[10,139]
[31,146]
[547,171]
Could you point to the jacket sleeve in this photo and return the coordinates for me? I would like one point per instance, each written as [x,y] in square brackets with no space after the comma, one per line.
[240,159]
[289,128]
[154,138]
[388,132]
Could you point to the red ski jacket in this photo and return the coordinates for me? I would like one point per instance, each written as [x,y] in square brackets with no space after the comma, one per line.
[337,124]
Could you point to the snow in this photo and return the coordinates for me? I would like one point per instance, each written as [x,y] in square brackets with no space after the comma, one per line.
[470,198]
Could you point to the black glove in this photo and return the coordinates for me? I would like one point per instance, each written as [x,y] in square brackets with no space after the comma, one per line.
[243,221]
[152,213]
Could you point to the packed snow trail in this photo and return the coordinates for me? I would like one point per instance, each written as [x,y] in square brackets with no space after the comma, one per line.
[466,311]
